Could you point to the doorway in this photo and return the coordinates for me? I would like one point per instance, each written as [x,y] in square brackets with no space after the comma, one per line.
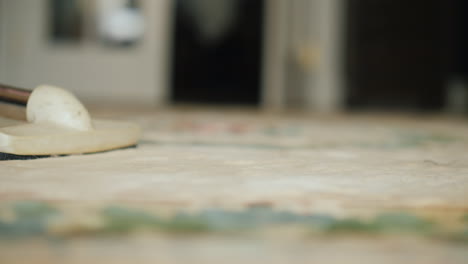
[397,54]
[217,52]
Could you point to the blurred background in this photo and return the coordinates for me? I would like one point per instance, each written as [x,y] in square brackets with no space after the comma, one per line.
[392,187]
[316,55]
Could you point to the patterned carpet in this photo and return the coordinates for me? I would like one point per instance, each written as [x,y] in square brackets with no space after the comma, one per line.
[228,185]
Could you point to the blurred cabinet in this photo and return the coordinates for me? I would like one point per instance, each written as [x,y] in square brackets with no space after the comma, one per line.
[95,71]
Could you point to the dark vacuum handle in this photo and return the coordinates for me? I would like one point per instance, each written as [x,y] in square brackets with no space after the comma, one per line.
[14,95]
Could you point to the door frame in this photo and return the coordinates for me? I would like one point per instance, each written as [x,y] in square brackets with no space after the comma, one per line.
[324,82]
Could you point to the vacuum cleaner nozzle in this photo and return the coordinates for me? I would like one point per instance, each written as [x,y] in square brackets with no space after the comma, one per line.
[56,124]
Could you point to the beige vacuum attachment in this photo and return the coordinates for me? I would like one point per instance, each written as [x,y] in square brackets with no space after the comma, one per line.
[57,124]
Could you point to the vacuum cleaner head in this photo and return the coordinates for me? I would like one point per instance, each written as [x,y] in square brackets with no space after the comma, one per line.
[58,124]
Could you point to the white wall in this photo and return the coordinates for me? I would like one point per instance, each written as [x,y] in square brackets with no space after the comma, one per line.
[136,75]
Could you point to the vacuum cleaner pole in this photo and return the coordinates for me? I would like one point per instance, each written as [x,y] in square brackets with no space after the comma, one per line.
[14,95]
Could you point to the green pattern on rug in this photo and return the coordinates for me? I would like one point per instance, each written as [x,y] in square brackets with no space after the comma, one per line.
[29,219]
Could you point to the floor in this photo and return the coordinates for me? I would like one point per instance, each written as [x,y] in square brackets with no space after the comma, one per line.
[206,185]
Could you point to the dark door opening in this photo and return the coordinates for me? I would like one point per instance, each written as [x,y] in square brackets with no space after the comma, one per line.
[460,55]
[217,51]
[398,53]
